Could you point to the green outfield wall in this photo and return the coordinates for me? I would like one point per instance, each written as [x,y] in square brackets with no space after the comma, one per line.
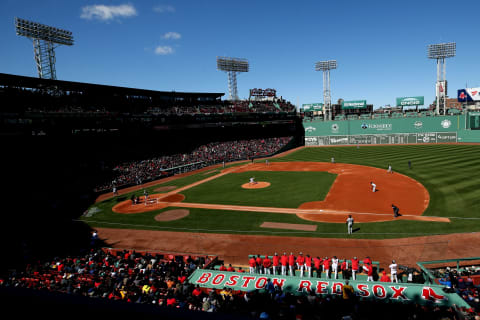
[435,129]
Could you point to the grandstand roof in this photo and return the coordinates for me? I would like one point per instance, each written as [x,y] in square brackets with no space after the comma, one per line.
[38,83]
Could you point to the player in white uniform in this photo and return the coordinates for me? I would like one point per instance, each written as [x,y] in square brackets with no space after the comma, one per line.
[335,266]
[350,224]
[374,186]
[252,180]
[393,271]
[389,169]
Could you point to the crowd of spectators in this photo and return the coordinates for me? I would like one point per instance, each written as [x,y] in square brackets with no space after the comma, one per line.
[465,282]
[162,281]
[221,107]
[137,172]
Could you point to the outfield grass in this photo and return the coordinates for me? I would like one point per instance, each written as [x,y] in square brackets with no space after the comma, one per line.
[286,190]
[449,172]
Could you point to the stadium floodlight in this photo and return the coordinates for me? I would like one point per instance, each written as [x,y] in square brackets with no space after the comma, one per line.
[44,40]
[440,52]
[326,66]
[232,66]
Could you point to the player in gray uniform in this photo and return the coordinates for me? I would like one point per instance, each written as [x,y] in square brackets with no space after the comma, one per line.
[350,224]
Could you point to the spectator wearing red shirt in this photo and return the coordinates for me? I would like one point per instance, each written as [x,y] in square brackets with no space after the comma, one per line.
[308,265]
[318,265]
[259,262]
[291,264]
[355,263]
[267,263]
[276,264]
[326,266]
[252,264]
[284,263]
[301,263]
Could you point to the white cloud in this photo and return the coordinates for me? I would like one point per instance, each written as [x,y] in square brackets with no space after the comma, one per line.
[163,50]
[172,35]
[164,8]
[105,13]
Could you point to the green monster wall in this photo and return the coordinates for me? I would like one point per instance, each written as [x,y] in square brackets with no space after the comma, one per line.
[438,129]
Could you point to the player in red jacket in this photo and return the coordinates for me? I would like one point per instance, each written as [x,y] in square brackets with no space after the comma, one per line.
[259,262]
[230,268]
[355,263]
[267,263]
[308,265]
[276,264]
[301,263]
[369,271]
[344,268]
[291,264]
[284,263]
[318,265]
[252,264]
[326,266]
[223,268]
[384,277]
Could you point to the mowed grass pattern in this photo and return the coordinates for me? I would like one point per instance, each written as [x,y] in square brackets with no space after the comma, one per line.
[449,172]
[286,190]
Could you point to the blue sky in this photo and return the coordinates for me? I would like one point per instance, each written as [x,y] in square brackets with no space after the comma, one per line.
[380,46]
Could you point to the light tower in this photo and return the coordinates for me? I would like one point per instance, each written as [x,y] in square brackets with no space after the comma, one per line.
[45,39]
[326,66]
[440,52]
[232,66]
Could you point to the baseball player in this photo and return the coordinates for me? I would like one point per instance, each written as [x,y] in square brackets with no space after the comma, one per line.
[317,262]
[369,271]
[276,264]
[395,211]
[333,160]
[374,186]
[326,267]
[252,180]
[354,268]
[267,263]
[291,264]
[344,268]
[308,265]
[252,264]
[335,266]
[393,271]
[301,263]
[389,169]
[284,263]
[259,263]
[350,224]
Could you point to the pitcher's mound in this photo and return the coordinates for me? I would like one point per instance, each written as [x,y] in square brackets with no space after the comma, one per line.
[171,215]
[258,185]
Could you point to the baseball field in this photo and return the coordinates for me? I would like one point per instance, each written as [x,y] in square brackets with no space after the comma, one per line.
[307,197]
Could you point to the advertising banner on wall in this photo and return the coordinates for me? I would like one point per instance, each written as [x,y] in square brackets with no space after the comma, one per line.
[355,104]
[312,107]
[410,101]
[381,291]
[468,94]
